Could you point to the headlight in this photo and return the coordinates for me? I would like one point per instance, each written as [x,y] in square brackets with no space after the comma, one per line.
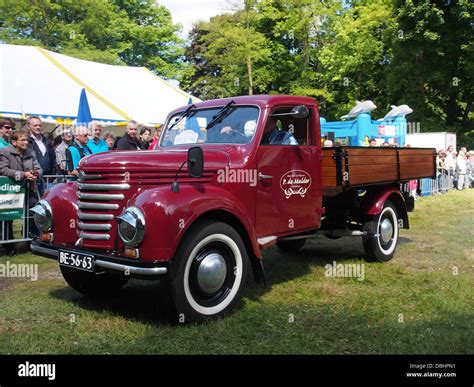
[131,226]
[43,215]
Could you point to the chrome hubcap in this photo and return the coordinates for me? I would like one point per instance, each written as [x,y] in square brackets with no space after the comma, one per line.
[211,273]
[386,230]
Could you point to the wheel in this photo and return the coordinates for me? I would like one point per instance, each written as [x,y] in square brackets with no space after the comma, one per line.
[93,284]
[210,271]
[291,246]
[382,238]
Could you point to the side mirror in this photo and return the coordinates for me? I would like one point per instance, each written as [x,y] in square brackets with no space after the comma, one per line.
[300,111]
[195,161]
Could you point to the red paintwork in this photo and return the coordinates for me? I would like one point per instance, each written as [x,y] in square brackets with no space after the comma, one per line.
[263,209]
[376,199]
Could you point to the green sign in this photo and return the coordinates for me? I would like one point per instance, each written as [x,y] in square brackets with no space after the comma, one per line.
[12,198]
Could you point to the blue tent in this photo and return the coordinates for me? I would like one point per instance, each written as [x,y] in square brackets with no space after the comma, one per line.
[84,113]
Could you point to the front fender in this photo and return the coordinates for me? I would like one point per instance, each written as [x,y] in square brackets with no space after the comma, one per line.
[375,200]
[168,215]
[63,198]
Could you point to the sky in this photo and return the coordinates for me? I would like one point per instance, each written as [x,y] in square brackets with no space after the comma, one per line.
[187,12]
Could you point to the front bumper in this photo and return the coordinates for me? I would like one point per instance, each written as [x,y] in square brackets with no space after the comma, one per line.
[106,262]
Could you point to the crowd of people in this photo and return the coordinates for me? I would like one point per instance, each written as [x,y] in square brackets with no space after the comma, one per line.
[30,155]
[61,155]
[456,167]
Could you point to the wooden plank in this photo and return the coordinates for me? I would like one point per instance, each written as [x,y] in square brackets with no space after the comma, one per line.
[416,159]
[372,178]
[416,151]
[428,167]
[328,162]
[414,175]
[371,169]
[329,171]
[329,182]
[369,160]
[370,151]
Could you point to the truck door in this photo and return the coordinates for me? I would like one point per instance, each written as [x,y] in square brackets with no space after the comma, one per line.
[289,183]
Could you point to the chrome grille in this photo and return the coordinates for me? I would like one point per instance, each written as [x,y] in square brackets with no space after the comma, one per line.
[95,210]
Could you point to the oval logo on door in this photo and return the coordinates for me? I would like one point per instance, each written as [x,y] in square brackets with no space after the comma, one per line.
[295,182]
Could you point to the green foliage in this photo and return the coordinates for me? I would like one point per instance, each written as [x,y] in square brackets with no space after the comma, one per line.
[419,53]
[131,32]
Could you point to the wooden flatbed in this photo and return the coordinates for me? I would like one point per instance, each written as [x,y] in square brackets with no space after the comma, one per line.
[349,167]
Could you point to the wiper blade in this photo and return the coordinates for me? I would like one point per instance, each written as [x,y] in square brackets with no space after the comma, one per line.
[185,114]
[220,115]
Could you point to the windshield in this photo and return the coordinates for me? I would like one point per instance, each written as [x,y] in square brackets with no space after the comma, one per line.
[232,125]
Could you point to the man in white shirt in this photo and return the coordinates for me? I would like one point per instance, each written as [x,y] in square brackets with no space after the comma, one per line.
[43,150]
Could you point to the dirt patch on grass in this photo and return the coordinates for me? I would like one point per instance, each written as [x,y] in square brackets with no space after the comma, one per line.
[43,274]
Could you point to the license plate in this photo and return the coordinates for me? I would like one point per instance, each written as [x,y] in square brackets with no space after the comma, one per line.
[77,260]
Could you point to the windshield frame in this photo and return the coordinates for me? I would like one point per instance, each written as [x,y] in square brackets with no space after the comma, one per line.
[196,111]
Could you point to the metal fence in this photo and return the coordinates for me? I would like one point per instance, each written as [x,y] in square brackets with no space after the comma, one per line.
[443,183]
[22,230]
[7,226]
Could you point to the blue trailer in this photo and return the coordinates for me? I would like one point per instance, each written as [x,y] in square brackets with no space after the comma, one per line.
[358,132]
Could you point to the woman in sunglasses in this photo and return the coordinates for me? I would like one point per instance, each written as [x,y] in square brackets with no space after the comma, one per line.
[6,126]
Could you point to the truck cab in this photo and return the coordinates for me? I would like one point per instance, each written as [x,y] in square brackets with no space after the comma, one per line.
[228,179]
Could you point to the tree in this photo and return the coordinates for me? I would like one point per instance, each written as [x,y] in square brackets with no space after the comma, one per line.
[132,32]
[433,63]
[357,54]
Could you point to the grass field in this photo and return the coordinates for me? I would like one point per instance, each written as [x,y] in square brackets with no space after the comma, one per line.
[422,302]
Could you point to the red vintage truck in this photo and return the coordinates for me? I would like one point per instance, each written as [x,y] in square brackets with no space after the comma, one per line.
[228,179]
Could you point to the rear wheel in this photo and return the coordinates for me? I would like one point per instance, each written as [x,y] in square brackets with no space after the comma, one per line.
[382,234]
[210,272]
[93,284]
[291,246]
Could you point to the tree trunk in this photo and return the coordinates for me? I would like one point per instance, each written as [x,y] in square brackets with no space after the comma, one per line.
[465,116]
[451,110]
[249,72]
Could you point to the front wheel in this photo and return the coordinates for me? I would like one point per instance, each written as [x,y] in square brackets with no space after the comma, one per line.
[210,272]
[382,234]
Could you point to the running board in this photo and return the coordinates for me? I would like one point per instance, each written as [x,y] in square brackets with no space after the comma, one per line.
[267,241]
[342,233]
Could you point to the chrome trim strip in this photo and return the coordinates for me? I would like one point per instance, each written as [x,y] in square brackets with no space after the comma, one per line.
[94,227]
[103,187]
[132,269]
[85,216]
[82,176]
[98,206]
[94,237]
[44,251]
[99,196]
[108,265]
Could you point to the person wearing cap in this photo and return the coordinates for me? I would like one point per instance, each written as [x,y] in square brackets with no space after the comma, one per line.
[77,150]
[97,144]
[6,126]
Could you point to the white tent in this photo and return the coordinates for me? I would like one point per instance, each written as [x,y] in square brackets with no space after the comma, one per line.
[35,81]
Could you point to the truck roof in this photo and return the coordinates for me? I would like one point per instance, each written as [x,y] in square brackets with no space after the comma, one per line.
[261,100]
